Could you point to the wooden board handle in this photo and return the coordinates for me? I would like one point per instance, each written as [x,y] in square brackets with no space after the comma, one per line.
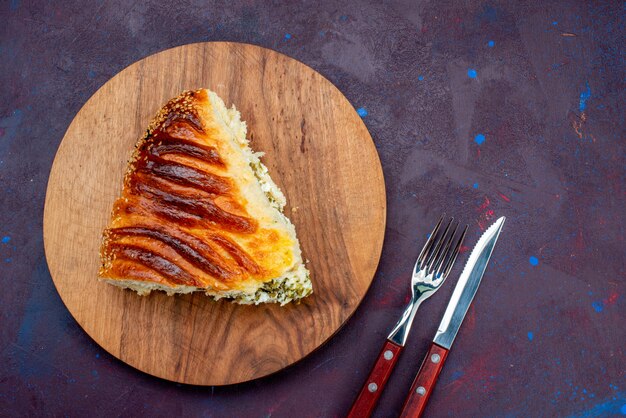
[424,382]
[373,387]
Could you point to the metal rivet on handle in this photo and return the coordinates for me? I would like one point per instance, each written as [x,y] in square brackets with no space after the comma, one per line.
[421,390]
[388,355]
[435,358]
[372,387]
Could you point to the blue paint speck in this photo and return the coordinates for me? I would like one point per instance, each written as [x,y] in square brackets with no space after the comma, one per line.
[8,260]
[457,375]
[491,44]
[14,5]
[362,112]
[555,23]
[608,408]
[476,185]
[6,239]
[420,78]
[343,18]
[584,96]
[287,36]
[91,74]
[479,139]
[471,73]
[530,335]
[598,306]
[98,355]
[534,261]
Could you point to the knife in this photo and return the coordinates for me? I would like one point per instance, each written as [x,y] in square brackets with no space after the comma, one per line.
[459,303]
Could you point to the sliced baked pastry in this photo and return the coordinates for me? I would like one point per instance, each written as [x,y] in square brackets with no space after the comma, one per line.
[199,212]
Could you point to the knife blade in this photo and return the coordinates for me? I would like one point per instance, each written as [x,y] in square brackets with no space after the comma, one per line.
[460,301]
[467,285]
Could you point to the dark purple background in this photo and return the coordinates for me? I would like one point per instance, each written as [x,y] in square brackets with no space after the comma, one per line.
[548,97]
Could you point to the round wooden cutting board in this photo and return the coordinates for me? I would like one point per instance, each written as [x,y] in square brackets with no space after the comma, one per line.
[318,151]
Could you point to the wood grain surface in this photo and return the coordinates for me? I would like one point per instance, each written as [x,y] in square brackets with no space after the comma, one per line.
[317,150]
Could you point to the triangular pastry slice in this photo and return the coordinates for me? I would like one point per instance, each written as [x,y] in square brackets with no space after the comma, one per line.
[199,212]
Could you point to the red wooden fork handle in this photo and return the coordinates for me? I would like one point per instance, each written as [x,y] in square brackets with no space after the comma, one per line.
[424,382]
[373,387]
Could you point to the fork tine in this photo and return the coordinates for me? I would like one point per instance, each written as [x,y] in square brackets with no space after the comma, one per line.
[429,243]
[434,255]
[446,244]
[453,254]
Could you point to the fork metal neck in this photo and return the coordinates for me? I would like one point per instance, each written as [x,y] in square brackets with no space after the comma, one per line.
[400,332]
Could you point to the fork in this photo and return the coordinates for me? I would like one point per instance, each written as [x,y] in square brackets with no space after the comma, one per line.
[431,269]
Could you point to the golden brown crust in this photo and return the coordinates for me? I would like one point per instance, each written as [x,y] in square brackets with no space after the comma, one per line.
[181,214]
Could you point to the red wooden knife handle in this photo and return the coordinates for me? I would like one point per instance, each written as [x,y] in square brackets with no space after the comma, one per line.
[424,382]
[366,401]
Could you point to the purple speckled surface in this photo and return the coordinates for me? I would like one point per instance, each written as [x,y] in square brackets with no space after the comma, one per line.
[480,109]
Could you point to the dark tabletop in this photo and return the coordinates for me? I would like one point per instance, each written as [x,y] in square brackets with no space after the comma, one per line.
[479,109]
